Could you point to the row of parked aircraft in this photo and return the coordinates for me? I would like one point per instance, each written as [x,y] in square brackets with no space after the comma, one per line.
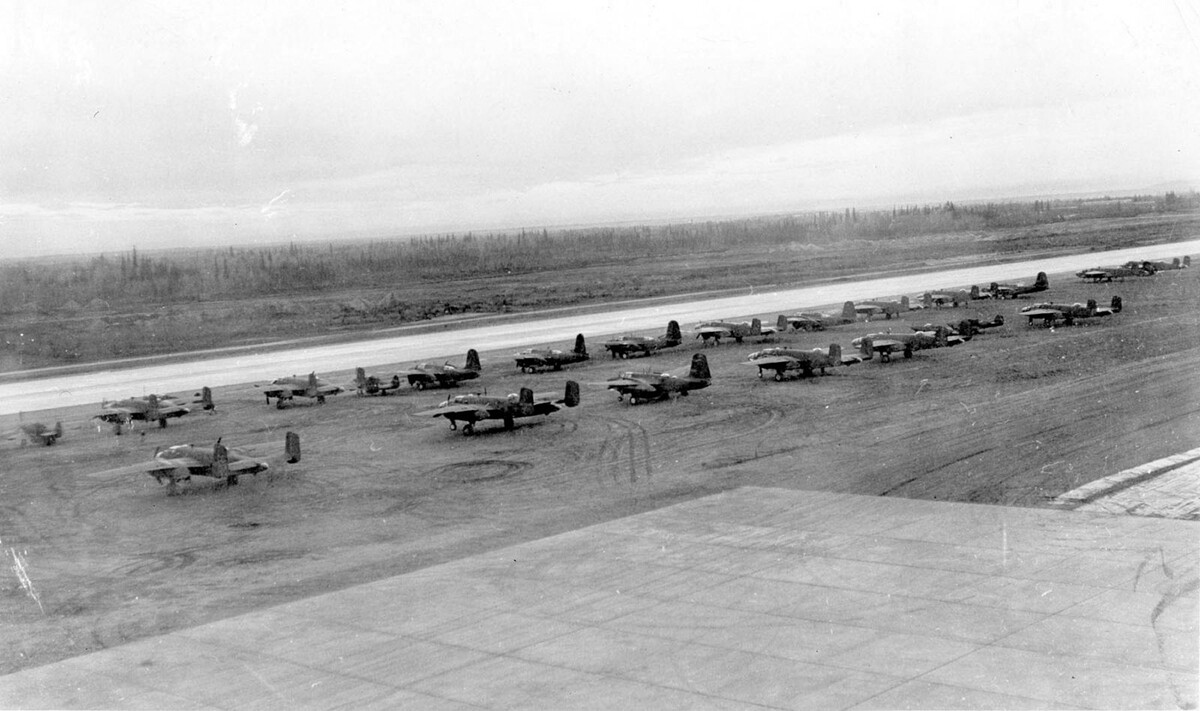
[178,463]
[1133,268]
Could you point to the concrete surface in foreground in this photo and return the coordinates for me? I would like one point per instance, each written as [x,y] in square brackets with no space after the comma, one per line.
[752,598]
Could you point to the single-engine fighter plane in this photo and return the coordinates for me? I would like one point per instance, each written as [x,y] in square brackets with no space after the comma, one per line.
[536,359]
[813,321]
[1100,274]
[889,309]
[630,346]
[431,375]
[152,408]
[284,389]
[38,433]
[885,344]
[646,387]
[476,407]
[181,462]
[374,385]
[1049,313]
[1013,291]
[716,330]
[784,360]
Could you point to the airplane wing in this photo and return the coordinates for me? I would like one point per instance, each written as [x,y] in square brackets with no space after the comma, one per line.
[888,343]
[772,361]
[114,415]
[713,331]
[242,465]
[626,385]
[1042,313]
[330,389]
[479,412]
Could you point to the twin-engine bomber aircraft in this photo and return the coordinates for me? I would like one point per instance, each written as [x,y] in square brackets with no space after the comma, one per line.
[1100,274]
[716,330]
[885,344]
[431,375]
[1012,291]
[284,389]
[535,359]
[373,384]
[645,387]
[890,309]
[152,408]
[783,360]
[184,461]
[476,407]
[813,321]
[1049,313]
[39,433]
[631,346]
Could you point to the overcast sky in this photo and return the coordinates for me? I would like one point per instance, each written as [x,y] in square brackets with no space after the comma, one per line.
[164,123]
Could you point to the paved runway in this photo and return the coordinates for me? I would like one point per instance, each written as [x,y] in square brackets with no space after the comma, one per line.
[80,389]
[754,598]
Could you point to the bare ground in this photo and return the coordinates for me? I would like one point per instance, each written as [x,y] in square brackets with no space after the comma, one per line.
[1012,418]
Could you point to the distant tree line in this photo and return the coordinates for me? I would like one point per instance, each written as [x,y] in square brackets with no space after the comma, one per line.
[179,276]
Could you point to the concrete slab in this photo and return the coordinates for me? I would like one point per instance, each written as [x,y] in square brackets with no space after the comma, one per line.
[755,598]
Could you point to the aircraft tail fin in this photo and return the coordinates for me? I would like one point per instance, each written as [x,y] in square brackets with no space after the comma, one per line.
[756,327]
[994,288]
[927,300]
[1091,305]
[580,346]
[781,323]
[1187,261]
[473,361]
[966,329]
[904,303]
[1116,304]
[206,401]
[867,347]
[700,369]
[58,430]
[835,353]
[220,465]
[525,397]
[974,291]
[848,312]
[1042,281]
[571,396]
[360,377]
[291,445]
[999,320]
[673,332]
[939,336]
[312,384]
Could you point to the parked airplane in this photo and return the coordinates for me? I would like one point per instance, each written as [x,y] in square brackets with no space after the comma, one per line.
[151,408]
[630,346]
[1099,274]
[1175,263]
[964,330]
[535,359]
[1049,313]
[885,344]
[783,360]
[476,407]
[645,387]
[284,389]
[716,330]
[39,433]
[888,308]
[431,375]
[181,462]
[373,385]
[813,321]
[946,297]
[1012,291]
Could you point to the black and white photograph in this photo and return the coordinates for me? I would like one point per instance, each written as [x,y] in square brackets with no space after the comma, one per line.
[603,354]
